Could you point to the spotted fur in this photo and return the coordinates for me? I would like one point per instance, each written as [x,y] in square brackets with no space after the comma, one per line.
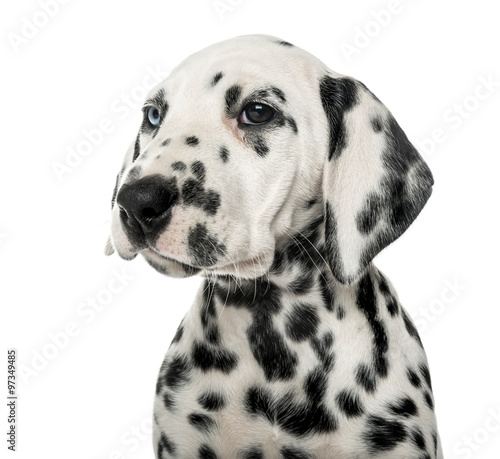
[296,346]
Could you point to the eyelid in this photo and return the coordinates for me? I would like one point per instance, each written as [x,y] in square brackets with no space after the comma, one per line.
[258,101]
[147,106]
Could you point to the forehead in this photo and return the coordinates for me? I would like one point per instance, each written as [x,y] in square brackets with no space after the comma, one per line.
[250,61]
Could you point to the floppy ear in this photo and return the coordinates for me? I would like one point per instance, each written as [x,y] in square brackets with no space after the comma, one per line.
[130,156]
[374,183]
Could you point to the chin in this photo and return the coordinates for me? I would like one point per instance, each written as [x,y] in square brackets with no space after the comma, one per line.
[168,266]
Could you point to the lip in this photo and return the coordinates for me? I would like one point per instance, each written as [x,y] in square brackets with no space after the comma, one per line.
[153,253]
[252,265]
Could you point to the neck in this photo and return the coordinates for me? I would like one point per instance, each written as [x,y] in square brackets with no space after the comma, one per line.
[288,301]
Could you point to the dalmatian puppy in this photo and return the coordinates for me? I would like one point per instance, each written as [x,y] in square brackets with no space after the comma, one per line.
[278,181]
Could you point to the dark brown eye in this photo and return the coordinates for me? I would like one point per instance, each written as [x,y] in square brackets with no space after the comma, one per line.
[256,113]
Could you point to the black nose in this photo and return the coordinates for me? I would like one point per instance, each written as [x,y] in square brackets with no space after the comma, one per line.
[146,205]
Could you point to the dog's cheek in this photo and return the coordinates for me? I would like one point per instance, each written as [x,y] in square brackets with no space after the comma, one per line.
[232,126]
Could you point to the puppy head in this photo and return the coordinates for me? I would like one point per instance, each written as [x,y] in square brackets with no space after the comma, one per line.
[244,144]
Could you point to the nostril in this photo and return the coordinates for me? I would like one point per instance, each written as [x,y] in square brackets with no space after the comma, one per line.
[149,214]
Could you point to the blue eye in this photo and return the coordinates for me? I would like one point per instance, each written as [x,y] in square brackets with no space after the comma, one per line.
[154,116]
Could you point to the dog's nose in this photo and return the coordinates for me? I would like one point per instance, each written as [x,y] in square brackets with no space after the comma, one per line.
[146,205]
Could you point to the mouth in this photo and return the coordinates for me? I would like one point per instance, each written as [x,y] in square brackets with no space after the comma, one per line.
[153,254]
[250,268]
[166,265]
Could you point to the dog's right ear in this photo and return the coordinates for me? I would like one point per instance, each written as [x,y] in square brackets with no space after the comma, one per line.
[108,248]
[130,156]
[374,181]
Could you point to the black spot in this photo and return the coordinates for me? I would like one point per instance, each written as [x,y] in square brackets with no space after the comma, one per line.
[285,43]
[302,285]
[178,335]
[260,296]
[338,96]
[418,439]
[207,358]
[289,452]
[277,360]
[168,400]
[204,248]
[205,452]
[212,401]
[383,285]
[332,246]
[159,385]
[424,371]
[279,94]
[404,407]
[137,147]
[211,202]
[291,122]
[365,378]
[298,419]
[194,193]
[370,214]
[258,144]
[392,306]
[224,154]
[192,141]
[435,441]
[178,166]
[376,123]
[208,314]
[198,170]
[208,311]
[428,400]
[349,403]
[233,95]
[177,373]
[165,444]
[252,453]
[216,78]
[166,142]
[303,419]
[391,302]
[340,312]
[133,174]
[258,401]
[279,262]
[367,303]
[315,385]
[311,203]
[260,94]
[302,322]
[413,378]
[410,328]
[202,422]
[326,292]
[322,347]
[383,434]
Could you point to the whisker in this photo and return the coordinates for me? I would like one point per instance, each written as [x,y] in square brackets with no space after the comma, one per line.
[301,246]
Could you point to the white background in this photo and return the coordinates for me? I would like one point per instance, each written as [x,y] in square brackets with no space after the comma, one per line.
[91,396]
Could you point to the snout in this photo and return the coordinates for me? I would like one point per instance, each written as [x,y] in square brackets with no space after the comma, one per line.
[146,207]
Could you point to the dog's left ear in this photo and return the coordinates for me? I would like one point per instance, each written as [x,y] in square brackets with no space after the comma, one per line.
[374,183]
